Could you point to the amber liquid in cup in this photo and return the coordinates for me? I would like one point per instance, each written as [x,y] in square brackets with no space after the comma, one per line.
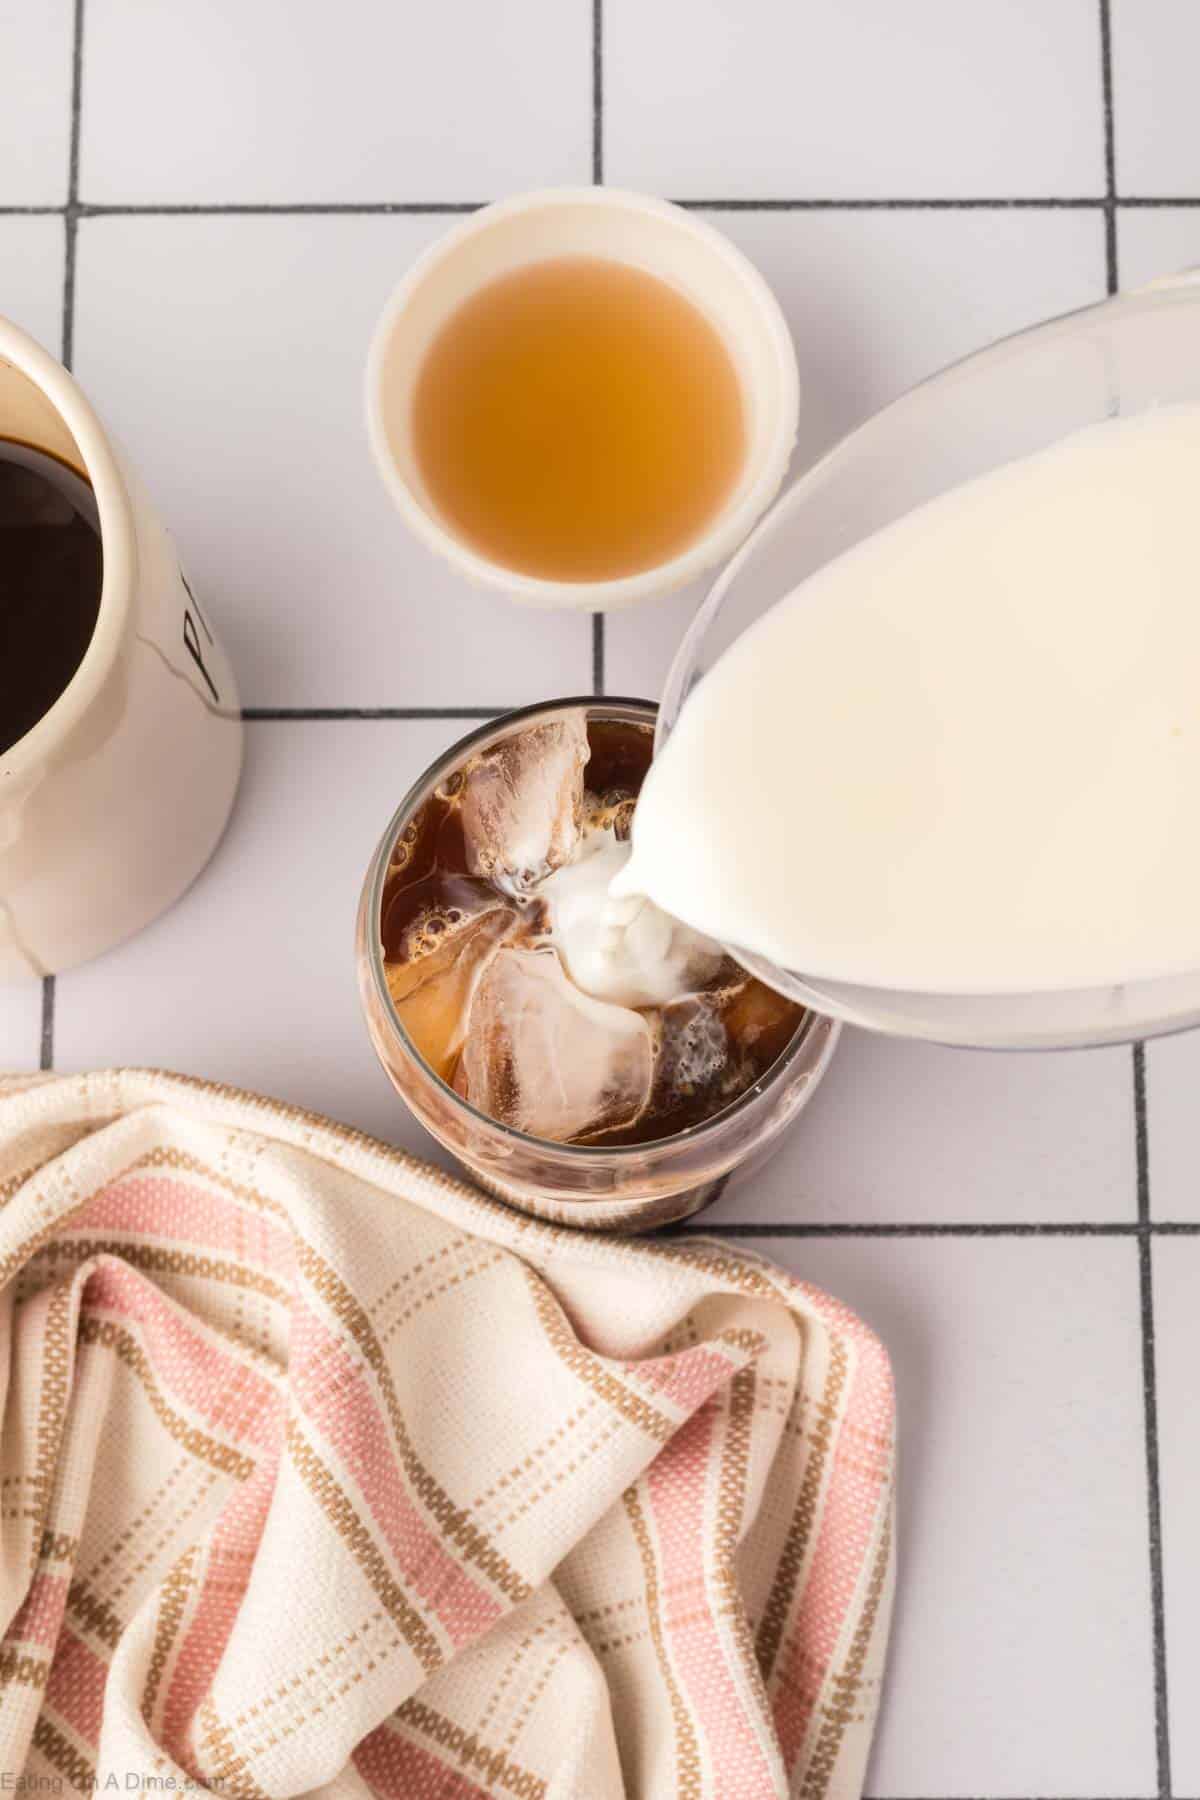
[578,420]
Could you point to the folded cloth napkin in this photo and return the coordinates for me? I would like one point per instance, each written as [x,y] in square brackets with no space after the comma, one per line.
[322,1473]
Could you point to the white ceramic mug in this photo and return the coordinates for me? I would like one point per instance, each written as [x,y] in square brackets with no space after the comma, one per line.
[615,226]
[114,800]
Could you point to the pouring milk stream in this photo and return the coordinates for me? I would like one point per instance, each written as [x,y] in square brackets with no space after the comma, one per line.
[963,757]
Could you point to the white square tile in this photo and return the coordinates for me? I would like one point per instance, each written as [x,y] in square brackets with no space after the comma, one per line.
[294,100]
[1156,240]
[31,292]
[1177,1350]
[901,1133]
[250,978]
[35,101]
[875,302]
[1020,1660]
[20,1028]
[640,643]
[1173,1126]
[228,355]
[1155,54]
[707,99]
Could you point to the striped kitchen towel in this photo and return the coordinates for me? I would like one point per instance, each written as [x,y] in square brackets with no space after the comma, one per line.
[322,1473]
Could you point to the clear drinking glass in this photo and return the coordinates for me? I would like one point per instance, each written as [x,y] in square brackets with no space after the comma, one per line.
[1122,356]
[627,1188]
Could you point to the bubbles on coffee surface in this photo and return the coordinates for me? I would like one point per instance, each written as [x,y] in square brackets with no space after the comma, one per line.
[551,1007]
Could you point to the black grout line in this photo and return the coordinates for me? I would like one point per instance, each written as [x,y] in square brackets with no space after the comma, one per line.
[46,1050]
[597,91]
[907,203]
[265,714]
[1110,153]
[1162,1737]
[1162,1728]
[85,209]
[171,209]
[1162,1724]
[68,308]
[71,210]
[1141,1140]
[992,1228]
[76,105]
[70,231]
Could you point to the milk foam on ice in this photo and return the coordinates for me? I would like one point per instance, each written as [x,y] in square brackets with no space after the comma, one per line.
[963,757]
[523,826]
[624,950]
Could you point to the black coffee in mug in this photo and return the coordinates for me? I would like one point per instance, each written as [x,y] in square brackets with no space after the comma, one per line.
[51,572]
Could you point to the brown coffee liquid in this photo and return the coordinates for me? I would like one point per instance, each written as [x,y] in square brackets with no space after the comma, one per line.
[436,919]
[51,573]
[578,420]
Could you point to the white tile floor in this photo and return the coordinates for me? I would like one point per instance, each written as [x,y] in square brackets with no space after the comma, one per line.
[250,181]
[1157,241]
[1156,48]
[280,102]
[759,100]
[1021,1658]
[35,102]
[31,258]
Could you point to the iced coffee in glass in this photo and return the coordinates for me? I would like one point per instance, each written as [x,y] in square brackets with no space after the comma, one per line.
[589,1059]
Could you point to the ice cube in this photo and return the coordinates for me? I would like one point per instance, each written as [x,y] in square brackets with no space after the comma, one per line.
[548,1060]
[432,992]
[522,803]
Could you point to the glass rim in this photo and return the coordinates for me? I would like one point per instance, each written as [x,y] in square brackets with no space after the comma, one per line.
[639,712]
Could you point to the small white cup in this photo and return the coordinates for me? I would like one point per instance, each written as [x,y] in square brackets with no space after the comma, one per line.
[116,798]
[647,234]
